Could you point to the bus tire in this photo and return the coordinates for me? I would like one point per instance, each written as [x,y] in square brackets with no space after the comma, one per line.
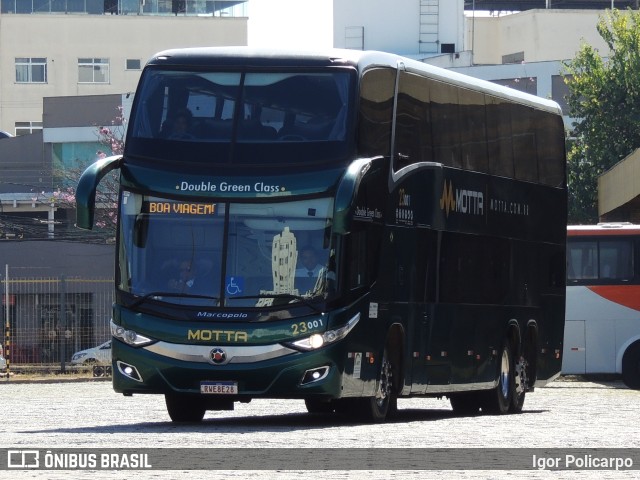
[185,408]
[631,366]
[498,400]
[519,386]
[375,409]
[517,400]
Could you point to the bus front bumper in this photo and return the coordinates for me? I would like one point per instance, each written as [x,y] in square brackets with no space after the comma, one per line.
[271,371]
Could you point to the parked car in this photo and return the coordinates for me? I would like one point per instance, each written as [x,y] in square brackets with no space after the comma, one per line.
[3,361]
[100,355]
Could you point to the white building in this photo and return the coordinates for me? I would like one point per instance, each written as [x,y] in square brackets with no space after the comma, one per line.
[96,47]
[413,28]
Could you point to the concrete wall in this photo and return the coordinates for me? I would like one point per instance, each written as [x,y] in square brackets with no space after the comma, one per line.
[619,191]
[23,166]
[541,34]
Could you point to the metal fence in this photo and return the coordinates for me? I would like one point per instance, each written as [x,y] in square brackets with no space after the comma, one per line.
[46,320]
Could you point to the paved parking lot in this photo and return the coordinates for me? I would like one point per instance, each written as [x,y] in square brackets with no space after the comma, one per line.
[570,413]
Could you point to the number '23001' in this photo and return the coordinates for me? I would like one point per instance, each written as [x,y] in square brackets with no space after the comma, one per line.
[301,328]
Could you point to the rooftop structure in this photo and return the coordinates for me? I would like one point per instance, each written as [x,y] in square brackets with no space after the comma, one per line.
[520,5]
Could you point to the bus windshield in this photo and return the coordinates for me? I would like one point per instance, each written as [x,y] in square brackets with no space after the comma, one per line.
[265,107]
[257,255]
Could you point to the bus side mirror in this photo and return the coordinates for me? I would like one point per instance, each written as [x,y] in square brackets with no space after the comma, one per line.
[87,186]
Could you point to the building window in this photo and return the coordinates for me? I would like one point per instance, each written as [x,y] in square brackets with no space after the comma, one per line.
[25,128]
[93,70]
[524,84]
[31,70]
[513,58]
[133,64]
[448,48]
[560,92]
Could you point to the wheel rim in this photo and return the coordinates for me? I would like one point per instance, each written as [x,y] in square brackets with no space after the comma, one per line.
[504,374]
[384,386]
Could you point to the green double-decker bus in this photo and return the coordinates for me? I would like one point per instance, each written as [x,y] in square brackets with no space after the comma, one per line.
[344,227]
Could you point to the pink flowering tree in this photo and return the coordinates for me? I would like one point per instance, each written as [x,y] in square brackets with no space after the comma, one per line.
[111,138]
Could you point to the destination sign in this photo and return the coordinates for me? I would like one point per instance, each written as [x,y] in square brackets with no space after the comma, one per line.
[179,208]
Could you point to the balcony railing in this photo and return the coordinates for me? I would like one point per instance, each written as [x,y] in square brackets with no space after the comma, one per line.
[212,8]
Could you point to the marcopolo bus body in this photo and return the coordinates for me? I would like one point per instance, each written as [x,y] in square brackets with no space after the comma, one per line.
[344,227]
[602,331]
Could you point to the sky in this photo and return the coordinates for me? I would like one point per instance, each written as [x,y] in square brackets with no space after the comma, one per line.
[291,23]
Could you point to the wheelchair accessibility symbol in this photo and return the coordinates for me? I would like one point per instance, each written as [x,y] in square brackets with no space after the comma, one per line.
[235,285]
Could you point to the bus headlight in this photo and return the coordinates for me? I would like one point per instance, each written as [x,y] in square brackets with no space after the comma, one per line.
[318,340]
[129,336]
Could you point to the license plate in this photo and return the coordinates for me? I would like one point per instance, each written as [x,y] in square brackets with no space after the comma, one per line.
[219,388]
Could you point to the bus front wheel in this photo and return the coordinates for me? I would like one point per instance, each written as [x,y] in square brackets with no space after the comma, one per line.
[375,409]
[631,366]
[185,408]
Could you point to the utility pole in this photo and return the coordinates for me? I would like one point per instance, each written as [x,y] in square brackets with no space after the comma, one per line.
[7,331]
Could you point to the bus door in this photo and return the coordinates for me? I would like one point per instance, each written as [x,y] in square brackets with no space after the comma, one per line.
[574,358]
[421,280]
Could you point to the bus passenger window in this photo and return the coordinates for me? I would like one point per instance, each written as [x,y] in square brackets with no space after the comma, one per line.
[412,128]
[473,135]
[616,260]
[499,138]
[445,124]
[376,111]
[581,258]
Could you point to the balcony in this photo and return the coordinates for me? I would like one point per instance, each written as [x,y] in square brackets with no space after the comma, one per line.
[211,8]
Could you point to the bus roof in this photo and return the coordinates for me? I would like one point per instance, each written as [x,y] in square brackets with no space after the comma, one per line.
[362,60]
[603,229]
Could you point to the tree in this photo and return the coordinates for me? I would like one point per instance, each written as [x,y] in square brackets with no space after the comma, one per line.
[63,196]
[604,94]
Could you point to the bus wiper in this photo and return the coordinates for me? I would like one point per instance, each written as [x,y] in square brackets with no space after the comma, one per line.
[160,295]
[287,296]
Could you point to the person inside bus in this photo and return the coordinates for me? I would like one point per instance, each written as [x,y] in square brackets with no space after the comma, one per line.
[193,277]
[310,267]
[179,127]
[185,278]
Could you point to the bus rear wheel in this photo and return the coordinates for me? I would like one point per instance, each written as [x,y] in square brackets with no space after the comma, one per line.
[631,366]
[498,401]
[520,381]
[185,408]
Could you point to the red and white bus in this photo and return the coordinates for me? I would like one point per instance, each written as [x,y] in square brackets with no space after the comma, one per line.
[602,328]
